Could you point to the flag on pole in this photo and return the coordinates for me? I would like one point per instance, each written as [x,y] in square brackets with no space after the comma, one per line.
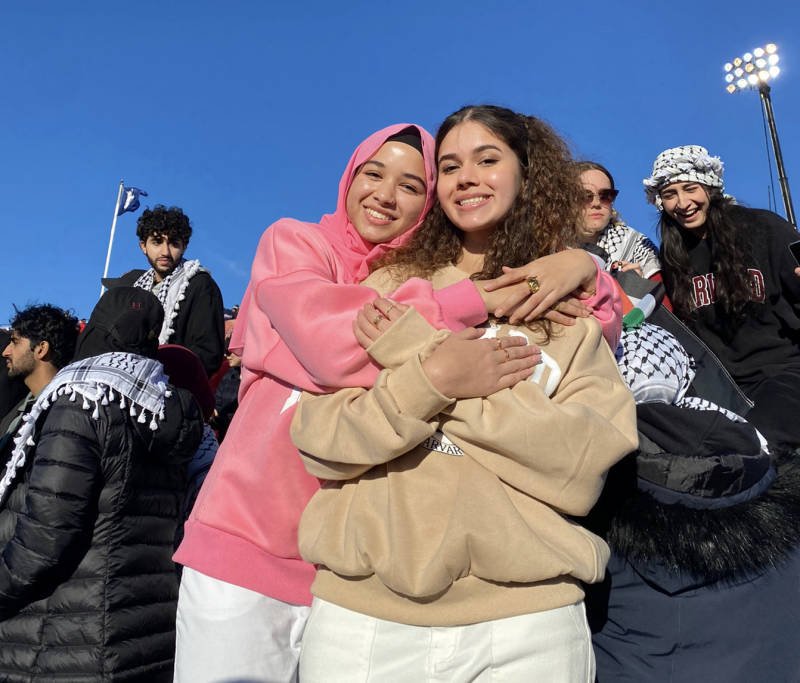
[130,200]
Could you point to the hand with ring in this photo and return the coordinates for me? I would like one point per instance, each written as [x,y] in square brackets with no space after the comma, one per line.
[467,366]
[528,292]
[375,319]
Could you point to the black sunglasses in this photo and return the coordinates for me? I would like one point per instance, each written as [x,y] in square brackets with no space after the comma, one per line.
[605,196]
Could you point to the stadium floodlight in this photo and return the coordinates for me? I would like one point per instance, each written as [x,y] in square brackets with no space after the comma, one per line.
[752,71]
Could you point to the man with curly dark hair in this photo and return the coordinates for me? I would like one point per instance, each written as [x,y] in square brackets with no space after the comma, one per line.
[191,299]
[42,342]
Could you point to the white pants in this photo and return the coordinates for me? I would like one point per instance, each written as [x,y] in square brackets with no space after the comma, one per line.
[341,646]
[228,634]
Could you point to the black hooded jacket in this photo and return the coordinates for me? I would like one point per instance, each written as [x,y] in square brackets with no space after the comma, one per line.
[88,589]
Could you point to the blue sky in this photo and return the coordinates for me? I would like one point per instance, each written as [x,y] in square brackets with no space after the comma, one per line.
[244,111]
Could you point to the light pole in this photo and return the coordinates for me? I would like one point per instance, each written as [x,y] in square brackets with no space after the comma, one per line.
[753,72]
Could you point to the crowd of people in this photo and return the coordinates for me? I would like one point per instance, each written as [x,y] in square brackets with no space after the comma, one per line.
[471,426]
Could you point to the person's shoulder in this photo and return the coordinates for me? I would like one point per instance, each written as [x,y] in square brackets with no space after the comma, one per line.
[203,282]
[124,280]
[756,220]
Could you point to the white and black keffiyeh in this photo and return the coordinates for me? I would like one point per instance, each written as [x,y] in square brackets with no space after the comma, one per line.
[171,293]
[623,243]
[691,163]
[137,383]
[657,369]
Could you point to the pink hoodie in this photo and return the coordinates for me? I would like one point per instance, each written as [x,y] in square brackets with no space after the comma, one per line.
[295,333]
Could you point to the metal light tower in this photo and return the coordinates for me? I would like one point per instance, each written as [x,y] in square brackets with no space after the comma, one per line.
[752,72]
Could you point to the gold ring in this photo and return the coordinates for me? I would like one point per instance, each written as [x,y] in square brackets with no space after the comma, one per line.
[533,284]
[377,319]
[508,358]
[555,306]
[388,310]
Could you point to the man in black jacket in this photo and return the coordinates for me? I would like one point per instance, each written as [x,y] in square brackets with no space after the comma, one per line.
[89,504]
[191,299]
[41,342]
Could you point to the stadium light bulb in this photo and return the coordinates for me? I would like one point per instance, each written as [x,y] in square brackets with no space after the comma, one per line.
[771,48]
[729,78]
[748,57]
[749,68]
[761,63]
[737,61]
[774,71]
[728,66]
[739,73]
[752,79]
[758,52]
[763,75]
[773,59]
[741,83]
[731,88]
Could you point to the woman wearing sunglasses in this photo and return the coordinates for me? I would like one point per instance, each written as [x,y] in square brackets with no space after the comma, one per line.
[603,226]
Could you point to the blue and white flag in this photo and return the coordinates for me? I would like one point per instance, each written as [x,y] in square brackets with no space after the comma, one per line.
[130,199]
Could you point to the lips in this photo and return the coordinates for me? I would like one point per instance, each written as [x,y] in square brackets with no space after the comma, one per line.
[376,217]
[472,202]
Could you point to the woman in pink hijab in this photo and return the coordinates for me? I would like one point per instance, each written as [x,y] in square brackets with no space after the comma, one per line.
[246,591]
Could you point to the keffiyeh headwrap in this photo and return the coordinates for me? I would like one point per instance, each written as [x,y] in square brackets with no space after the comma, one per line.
[137,383]
[691,163]
[171,293]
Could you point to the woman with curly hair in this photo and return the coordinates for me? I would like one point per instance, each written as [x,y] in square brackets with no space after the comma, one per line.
[442,537]
[602,225]
[731,278]
[246,591]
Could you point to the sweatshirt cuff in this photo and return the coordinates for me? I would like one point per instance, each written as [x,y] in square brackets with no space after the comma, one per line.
[413,392]
[404,339]
[462,306]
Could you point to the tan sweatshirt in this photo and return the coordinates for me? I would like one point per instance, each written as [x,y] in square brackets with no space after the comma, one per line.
[441,512]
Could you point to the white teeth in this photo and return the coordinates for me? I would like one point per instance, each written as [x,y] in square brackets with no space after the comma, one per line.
[473,200]
[379,216]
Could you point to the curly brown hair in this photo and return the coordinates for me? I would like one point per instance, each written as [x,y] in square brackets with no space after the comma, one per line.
[542,220]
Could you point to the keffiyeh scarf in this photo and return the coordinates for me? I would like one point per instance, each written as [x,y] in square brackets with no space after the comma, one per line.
[171,293]
[657,369]
[623,243]
[691,163]
[137,383]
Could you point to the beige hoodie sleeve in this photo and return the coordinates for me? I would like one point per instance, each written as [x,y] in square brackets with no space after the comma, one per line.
[557,450]
[342,435]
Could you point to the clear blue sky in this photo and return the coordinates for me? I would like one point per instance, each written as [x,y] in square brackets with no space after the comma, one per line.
[244,111]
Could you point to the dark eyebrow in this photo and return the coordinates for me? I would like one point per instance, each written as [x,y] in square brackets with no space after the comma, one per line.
[477,150]
[415,177]
[380,164]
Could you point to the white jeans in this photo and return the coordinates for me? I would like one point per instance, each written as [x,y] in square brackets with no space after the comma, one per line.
[341,646]
[228,634]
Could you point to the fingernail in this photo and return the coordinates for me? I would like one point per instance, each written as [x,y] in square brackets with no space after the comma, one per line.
[499,312]
[488,288]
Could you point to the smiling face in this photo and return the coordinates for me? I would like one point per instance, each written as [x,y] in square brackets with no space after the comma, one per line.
[597,212]
[163,254]
[387,195]
[479,179]
[687,203]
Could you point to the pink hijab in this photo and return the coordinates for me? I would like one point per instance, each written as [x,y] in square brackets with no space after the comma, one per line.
[356,253]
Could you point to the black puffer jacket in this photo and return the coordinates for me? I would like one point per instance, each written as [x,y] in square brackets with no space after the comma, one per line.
[88,589]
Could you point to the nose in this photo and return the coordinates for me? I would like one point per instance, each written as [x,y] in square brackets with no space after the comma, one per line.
[385,193]
[467,176]
[596,203]
[683,200]
[7,352]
